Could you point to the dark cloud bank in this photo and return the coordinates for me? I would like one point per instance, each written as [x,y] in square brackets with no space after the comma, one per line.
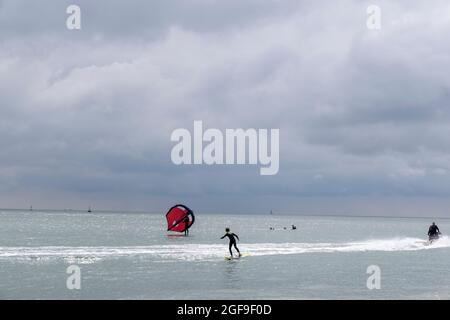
[364,115]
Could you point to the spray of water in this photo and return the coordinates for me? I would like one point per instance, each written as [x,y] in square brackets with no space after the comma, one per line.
[215,251]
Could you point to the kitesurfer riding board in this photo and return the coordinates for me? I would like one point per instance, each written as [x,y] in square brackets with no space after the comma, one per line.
[232,237]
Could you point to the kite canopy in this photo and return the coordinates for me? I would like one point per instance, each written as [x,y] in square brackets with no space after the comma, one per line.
[179,218]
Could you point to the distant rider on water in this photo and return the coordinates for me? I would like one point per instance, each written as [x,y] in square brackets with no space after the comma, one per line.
[433,232]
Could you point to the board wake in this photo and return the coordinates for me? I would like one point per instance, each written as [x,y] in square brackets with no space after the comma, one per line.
[212,252]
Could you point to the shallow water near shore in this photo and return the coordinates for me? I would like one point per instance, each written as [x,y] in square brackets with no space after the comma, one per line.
[131,256]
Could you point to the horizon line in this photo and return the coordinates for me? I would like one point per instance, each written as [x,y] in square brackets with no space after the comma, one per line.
[229,213]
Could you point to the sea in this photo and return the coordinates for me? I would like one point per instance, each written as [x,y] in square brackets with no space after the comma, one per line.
[126,255]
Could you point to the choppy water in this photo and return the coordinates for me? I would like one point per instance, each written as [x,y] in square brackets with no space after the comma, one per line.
[130,256]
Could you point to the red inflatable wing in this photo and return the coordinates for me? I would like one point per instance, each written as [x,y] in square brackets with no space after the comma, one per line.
[179,218]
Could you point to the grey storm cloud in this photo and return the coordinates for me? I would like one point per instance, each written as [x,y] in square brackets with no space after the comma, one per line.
[86,116]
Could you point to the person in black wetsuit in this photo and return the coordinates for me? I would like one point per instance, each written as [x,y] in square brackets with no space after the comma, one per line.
[433,232]
[232,237]
[186,226]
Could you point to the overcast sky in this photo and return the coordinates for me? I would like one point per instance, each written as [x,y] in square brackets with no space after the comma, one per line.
[364,115]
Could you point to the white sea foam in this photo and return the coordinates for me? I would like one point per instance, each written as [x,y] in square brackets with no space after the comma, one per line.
[214,251]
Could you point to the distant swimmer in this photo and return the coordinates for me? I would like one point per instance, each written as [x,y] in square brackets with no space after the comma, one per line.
[232,237]
[433,232]
[294,227]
